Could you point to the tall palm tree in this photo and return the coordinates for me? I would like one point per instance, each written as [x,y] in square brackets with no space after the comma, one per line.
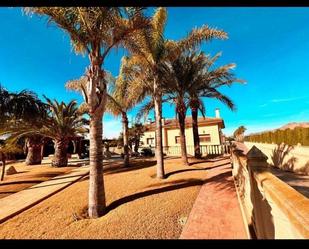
[122,98]
[185,81]
[24,106]
[205,83]
[95,31]
[155,49]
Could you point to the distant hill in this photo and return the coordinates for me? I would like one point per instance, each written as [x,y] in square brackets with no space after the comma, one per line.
[291,125]
[294,125]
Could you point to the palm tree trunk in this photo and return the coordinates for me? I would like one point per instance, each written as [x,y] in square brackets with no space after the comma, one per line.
[181,120]
[2,155]
[96,194]
[136,143]
[159,145]
[34,151]
[196,138]
[60,157]
[74,142]
[125,139]
[96,202]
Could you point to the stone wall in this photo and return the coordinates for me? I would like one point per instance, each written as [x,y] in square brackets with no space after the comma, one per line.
[300,153]
[272,209]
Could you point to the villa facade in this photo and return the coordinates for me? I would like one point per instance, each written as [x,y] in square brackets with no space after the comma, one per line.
[210,132]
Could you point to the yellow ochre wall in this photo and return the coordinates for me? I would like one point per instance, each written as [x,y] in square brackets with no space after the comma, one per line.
[213,130]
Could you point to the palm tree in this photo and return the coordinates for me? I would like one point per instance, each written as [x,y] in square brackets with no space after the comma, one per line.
[185,81]
[206,80]
[135,133]
[95,31]
[4,104]
[239,133]
[152,51]
[63,124]
[24,106]
[121,99]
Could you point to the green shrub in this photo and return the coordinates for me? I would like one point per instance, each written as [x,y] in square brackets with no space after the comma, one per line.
[288,136]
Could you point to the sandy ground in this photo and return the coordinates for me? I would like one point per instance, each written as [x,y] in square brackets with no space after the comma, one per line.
[139,206]
[30,175]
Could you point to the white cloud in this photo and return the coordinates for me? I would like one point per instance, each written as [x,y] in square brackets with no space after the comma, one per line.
[263,105]
[282,100]
[286,99]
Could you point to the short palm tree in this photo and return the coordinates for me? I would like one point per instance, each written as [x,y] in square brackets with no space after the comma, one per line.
[63,123]
[96,31]
[135,133]
[25,107]
[154,49]
[239,133]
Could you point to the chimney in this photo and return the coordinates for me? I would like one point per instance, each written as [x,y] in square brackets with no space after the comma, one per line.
[217,111]
[163,121]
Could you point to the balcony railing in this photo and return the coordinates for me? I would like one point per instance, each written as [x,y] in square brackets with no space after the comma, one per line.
[205,149]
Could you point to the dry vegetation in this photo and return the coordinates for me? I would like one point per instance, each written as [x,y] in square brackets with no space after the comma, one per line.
[139,205]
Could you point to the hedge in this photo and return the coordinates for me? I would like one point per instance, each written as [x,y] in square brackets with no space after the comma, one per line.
[288,136]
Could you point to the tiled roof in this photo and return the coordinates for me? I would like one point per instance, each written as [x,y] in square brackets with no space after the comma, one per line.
[173,123]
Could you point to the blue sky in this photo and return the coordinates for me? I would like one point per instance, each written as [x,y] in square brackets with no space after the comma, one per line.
[269,45]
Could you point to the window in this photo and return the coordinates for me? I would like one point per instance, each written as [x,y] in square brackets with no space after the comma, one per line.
[205,138]
[150,141]
[177,139]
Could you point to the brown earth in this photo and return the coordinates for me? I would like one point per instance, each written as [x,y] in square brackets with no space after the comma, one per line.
[139,205]
[28,176]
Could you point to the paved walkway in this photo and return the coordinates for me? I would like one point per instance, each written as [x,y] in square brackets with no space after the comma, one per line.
[16,203]
[216,213]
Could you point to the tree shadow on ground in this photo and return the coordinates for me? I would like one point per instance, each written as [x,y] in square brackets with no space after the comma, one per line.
[7,192]
[175,185]
[133,166]
[221,181]
[47,174]
[181,171]
[20,182]
[201,169]
[279,154]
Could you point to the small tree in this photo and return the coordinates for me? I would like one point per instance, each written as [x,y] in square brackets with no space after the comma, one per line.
[239,133]
[6,149]
[135,134]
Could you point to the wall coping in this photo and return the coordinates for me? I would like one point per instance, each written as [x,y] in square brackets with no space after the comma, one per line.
[293,204]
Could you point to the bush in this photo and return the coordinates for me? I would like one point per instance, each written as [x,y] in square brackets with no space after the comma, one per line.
[147,152]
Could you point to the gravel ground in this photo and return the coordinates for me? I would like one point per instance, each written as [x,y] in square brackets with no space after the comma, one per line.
[140,206]
[28,175]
